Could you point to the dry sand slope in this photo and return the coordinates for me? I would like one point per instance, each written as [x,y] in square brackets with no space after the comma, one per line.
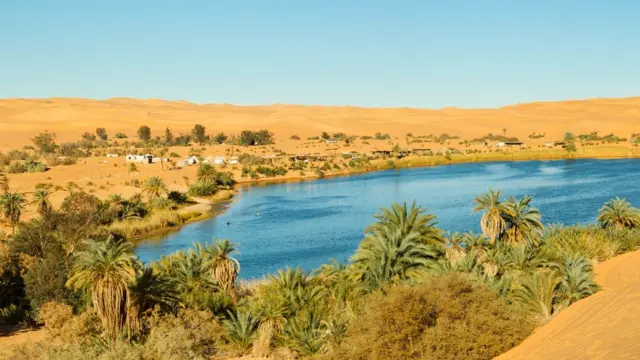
[20,119]
[603,326]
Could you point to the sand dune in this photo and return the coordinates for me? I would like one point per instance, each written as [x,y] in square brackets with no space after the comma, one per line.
[603,326]
[20,119]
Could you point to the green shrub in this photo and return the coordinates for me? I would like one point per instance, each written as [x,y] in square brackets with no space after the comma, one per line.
[444,318]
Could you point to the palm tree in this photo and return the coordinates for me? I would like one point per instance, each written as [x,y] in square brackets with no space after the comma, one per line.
[149,289]
[408,220]
[394,249]
[522,220]
[224,268]
[106,269]
[454,250]
[154,187]
[11,206]
[539,293]
[41,200]
[191,274]
[492,221]
[618,213]
[207,173]
[475,242]
[4,182]
[576,279]
[241,328]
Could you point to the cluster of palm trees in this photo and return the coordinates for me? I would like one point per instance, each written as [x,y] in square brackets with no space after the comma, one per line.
[122,289]
[12,203]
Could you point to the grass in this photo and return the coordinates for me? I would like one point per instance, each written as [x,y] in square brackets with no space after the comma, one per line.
[157,221]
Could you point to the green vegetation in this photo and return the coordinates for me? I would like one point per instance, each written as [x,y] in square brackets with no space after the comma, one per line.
[453,296]
[209,180]
[570,143]
[144,133]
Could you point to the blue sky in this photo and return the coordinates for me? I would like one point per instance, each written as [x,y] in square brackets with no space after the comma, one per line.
[475,53]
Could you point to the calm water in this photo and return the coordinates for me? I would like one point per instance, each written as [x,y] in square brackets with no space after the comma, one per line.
[307,223]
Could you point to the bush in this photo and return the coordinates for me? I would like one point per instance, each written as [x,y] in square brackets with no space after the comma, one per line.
[120,135]
[202,188]
[178,197]
[449,317]
[28,166]
[294,137]
[55,315]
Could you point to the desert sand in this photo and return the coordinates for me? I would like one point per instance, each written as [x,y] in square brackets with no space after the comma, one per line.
[603,326]
[21,119]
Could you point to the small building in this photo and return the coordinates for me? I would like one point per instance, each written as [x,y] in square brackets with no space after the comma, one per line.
[113,155]
[219,160]
[191,160]
[500,144]
[156,160]
[234,161]
[142,159]
[331,141]
[548,144]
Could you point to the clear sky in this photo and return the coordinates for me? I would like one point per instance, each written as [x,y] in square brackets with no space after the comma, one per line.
[475,53]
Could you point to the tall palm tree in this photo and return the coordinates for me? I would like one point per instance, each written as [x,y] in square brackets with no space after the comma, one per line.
[41,200]
[407,220]
[154,187]
[618,213]
[11,206]
[106,269]
[492,221]
[224,268]
[522,220]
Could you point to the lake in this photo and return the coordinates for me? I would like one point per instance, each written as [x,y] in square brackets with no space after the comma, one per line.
[307,223]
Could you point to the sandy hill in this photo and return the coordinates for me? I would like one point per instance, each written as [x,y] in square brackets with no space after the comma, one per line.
[20,119]
[603,326]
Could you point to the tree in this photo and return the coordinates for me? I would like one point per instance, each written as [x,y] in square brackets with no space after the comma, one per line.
[144,133]
[522,219]
[4,182]
[121,135]
[148,290]
[45,142]
[325,135]
[570,143]
[396,248]
[88,136]
[492,221]
[163,152]
[221,138]
[207,173]
[11,206]
[102,134]
[454,250]
[133,167]
[41,200]
[199,134]
[618,213]
[105,270]
[168,136]
[154,187]
[576,279]
[224,268]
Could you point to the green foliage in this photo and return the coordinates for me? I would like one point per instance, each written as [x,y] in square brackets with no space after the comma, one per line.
[102,134]
[199,134]
[144,133]
[444,318]
[45,142]
[570,143]
[120,135]
[28,166]
[251,138]
[241,328]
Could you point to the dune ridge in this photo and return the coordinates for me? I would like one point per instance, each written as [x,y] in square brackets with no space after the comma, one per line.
[20,119]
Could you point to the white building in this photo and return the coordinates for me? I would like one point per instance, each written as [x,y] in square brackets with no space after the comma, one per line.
[113,155]
[191,160]
[143,159]
[234,161]
[156,160]
[500,144]
[218,161]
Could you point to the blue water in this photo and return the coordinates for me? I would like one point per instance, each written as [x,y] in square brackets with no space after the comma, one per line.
[308,223]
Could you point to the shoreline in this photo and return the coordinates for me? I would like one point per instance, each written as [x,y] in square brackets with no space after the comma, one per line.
[383,165]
